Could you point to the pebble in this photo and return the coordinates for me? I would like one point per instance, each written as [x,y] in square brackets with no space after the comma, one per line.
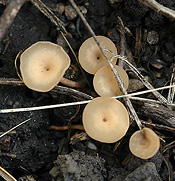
[60,8]
[152,37]
[145,172]
[157,63]
[91,146]
[70,12]
[135,84]
[83,10]
[79,166]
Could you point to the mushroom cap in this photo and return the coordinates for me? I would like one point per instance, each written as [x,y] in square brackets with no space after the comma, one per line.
[144,143]
[105,83]
[105,119]
[42,65]
[90,56]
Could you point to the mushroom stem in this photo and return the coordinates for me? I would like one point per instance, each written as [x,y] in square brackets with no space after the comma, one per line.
[80,127]
[71,83]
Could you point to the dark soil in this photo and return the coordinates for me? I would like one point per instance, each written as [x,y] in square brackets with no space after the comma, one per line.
[33,148]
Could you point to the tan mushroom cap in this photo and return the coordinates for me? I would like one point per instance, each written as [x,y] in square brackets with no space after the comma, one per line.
[105,119]
[42,65]
[105,83]
[144,143]
[90,56]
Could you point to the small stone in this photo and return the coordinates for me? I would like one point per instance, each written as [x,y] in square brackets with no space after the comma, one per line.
[79,166]
[135,84]
[145,172]
[152,37]
[83,10]
[158,74]
[60,8]
[70,12]
[157,63]
[91,146]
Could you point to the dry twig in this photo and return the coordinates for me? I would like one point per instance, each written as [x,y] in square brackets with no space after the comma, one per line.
[71,91]
[169,13]
[8,15]
[171,92]
[159,113]
[49,14]
[60,25]
[6,175]
[159,126]
[14,127]
[141,77]
[121,29]
[57,89]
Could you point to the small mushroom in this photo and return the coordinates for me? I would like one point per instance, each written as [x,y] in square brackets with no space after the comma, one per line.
[144,143]
[105,119]
[90,56]
[42,65]
[105,83]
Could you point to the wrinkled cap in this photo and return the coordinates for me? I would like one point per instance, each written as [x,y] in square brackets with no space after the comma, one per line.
[90,56]
[105,83]
[144,143]
[105,119]
[42,65]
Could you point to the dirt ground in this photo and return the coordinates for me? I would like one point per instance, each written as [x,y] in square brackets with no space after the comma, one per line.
[33,148]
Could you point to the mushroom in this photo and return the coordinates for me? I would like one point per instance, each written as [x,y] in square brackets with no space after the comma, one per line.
[105,119]
[144,143]
[90,56]
[105,83]
[42,65]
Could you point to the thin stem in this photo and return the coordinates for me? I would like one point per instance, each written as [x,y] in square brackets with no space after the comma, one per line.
[80,127]
[71,83]
[14,127]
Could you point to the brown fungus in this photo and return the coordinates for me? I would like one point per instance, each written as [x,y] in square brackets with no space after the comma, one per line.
[90,56]
[105,119]
[42,65]
[105,83]
[144,143]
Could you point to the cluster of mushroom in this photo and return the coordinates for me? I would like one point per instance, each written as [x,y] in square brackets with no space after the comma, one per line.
[106,119]
[93,61]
